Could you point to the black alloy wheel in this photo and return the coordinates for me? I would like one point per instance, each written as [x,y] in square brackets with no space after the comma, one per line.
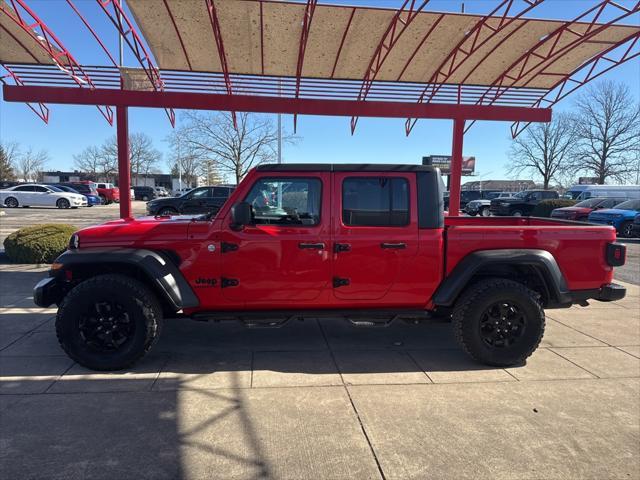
[502,324]
[106,326]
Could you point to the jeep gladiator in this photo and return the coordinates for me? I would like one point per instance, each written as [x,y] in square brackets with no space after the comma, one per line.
[368,243]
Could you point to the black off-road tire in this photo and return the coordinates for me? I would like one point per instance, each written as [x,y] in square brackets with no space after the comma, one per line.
[139,302]
[474,302]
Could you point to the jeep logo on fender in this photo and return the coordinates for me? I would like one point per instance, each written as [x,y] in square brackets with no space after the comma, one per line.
[206,282]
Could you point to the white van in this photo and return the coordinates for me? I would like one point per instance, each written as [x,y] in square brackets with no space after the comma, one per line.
[611,191]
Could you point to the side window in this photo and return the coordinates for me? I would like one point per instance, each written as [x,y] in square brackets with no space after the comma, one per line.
[220,192]
[286,201]
[536,196]
[375,202]
[40,189]
[25,188]
[200,193]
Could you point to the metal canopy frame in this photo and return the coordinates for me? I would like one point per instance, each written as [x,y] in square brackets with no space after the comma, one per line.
[508,98]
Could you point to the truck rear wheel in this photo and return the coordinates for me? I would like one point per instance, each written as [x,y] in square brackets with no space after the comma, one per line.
[108,322]
[499,322]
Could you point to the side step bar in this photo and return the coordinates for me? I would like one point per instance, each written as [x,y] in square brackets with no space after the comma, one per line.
[277,318]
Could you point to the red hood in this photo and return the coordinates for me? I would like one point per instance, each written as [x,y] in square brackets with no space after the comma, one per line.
[139,232]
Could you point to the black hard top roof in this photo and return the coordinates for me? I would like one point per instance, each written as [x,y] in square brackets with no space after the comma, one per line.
[343,167]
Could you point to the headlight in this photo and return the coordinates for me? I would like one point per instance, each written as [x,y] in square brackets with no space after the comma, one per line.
[74,242]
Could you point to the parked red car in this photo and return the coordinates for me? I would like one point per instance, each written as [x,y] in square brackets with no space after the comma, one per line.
[580,211]
[108,193]
[368,243]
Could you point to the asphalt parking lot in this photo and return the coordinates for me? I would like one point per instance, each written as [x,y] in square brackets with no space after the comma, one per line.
[316,399]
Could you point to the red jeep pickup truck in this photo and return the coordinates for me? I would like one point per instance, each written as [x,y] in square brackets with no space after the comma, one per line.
[368,243]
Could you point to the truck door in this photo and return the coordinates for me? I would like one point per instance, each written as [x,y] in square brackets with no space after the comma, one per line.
[283,258]
[375,233]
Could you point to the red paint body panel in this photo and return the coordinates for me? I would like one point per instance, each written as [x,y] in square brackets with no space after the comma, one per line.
[274,273]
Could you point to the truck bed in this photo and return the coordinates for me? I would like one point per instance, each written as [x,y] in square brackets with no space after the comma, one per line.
[571,243]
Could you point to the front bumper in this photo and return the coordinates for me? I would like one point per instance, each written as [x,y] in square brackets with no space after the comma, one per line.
[47,292]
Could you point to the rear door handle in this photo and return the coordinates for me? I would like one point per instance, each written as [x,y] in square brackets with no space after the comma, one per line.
[316,246]
[398,246]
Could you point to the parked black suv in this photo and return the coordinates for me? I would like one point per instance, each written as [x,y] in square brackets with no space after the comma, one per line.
[207,200]
[522,203]
[144,193]
[467,196]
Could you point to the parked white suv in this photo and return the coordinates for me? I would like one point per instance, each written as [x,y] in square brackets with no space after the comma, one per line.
[40,196]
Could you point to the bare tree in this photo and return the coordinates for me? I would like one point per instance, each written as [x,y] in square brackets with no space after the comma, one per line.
[211,137]
[31,163]
[608,132]
[9,152]
[91,161]
[103,160]
[544,149]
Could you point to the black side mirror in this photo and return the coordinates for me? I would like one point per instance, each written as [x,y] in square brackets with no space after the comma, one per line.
[241,215]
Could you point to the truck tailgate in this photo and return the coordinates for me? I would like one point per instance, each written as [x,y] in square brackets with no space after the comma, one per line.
[579,248]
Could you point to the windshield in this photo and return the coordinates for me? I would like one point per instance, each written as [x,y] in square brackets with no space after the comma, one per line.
[521,194]
[55,189]
[629,205]
[590,203]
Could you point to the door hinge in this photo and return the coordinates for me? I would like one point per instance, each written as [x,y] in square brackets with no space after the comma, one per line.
[340,282]
[341,247]
[228,247]
[229,282]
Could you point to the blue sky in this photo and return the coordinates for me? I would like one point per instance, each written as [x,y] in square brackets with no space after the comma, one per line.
[323,139]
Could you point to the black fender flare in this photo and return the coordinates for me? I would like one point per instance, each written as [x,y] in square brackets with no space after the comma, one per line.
[158,267]
[543,262]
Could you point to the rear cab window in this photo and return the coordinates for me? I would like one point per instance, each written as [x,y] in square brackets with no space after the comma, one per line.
[375,201]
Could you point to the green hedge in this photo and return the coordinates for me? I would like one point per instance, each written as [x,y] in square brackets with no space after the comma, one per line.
[545,207]
[38,243]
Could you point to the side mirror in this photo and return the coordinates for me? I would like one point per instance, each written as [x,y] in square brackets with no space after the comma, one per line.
[240,215]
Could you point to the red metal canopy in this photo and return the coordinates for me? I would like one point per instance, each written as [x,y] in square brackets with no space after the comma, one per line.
[320,59]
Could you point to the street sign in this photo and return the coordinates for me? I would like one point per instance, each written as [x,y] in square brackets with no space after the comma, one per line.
[443,162]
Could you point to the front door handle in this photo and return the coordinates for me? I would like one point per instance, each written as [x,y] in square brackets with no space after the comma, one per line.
[397,246]
[313,246]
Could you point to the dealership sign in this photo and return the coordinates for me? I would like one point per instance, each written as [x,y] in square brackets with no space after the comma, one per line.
[443,162]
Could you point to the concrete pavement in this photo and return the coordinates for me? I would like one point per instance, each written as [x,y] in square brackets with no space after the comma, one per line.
[321,400]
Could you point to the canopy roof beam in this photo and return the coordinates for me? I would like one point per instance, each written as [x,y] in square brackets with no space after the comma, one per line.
[598,66]
[266,104]
[553,46]
[397,26]
[304,36]
[129,34]
[215,27]
[41,110]
[482,32]
[31,24]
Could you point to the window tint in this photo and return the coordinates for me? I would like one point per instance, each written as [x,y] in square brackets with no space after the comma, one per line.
[220,192]
[286,201]
[40,189]
[24,188]
[375,201]
[200,193]
[629,205]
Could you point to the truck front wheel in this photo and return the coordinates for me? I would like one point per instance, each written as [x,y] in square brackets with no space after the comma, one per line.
[108,322]
[499,322]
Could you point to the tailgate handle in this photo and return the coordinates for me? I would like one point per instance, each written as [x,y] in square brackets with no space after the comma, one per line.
[398,246]
[316,246]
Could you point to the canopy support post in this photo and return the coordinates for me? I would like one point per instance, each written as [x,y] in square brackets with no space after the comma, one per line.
[124,175]
[456,167]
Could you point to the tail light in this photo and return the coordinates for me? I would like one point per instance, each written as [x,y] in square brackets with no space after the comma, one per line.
[616,254]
